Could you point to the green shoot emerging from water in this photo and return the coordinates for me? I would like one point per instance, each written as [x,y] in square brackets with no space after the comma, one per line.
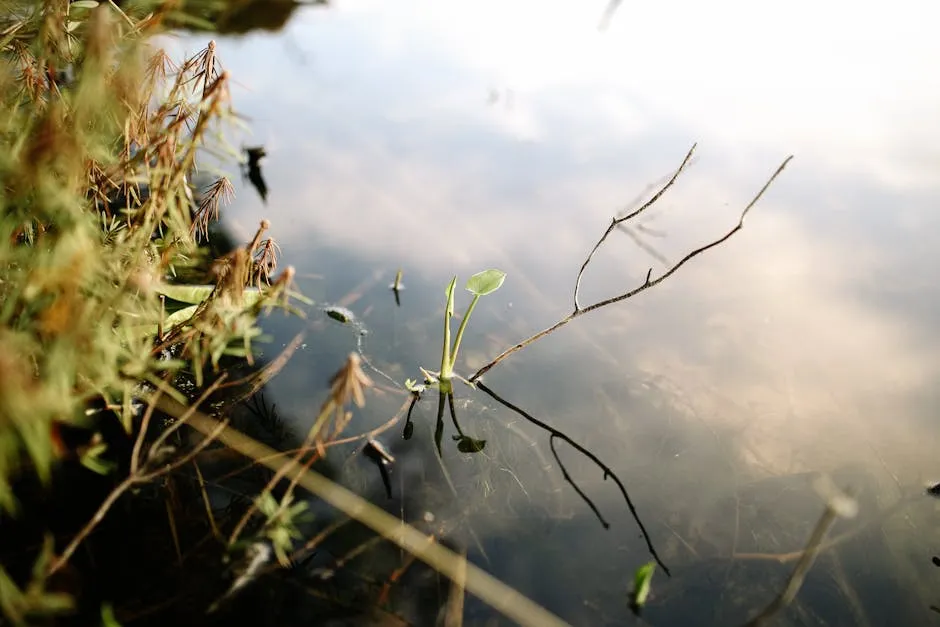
[479,284]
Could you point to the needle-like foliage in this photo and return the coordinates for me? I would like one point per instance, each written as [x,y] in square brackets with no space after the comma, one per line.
[99,139]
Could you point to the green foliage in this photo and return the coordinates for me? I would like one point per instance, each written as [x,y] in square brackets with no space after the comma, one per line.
[642,580]
[103,258]
[485,282]
[281,526]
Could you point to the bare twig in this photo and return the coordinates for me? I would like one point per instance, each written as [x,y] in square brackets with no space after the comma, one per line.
[626,218]
[648,282]
[567,477]
[388,424]
[555,433]
[170,430]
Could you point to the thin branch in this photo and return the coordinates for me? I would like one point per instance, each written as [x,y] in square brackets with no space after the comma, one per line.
[648,283]
[388,424]
[615,221]
[170,430]
[567,477]
[142,435]
[555,433]
[695,253]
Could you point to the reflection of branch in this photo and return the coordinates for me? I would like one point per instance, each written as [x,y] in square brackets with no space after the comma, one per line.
[555,433]
[648,282]
[647,248]
[567,477]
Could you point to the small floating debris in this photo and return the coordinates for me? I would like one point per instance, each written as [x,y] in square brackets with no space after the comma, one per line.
[340,314]
[397,285]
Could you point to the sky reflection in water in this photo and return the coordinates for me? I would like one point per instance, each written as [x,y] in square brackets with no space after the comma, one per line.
[447,140]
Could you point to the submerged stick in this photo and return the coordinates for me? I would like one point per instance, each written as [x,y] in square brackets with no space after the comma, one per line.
[836,505]
[555,433]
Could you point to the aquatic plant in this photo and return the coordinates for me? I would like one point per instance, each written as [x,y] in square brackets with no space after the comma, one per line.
[480,284]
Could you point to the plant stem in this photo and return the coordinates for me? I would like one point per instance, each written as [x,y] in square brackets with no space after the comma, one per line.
[460,330]
[446,363]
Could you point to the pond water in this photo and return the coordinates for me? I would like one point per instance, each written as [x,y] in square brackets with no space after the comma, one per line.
[444,139]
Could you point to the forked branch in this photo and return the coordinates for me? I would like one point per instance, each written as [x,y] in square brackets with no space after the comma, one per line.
[608,472]
[649,281]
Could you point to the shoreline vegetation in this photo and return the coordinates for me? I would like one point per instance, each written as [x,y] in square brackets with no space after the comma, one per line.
[115,288]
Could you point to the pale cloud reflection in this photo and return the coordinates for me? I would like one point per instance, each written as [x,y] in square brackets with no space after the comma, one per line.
[789,355]
[391,150]
[850,85]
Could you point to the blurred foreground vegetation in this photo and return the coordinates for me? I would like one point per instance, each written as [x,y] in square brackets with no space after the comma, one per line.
[110,289]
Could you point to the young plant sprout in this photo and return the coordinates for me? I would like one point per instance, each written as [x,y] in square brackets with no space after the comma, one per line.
[480,284]
[397,286]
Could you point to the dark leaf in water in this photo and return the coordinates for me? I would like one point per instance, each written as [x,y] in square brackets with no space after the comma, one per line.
[377,452]
[340,314]
[466,444]
[934,490]
[255,155]
[936,560]
[386,481]
[409,430]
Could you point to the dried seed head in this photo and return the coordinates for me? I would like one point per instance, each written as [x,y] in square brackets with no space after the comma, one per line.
[348,384]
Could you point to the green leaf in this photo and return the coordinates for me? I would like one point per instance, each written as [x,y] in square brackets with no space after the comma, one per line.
[486,282]
[192,294]
[107,616]
[178,317]
[93,462]
[641,584]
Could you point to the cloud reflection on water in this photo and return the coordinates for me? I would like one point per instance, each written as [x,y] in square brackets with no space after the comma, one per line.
[808,340]
[384,143]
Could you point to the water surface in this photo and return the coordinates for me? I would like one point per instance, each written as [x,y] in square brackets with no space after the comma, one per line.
[445,140]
